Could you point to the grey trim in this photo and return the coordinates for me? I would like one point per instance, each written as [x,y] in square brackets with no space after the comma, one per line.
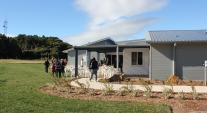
[117,58]
[150,63]
[76,63]
[173,61]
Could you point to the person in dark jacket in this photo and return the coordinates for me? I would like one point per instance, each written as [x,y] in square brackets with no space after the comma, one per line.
[58,68]
[47,64]
[94,68]
[62,63]
[90,63]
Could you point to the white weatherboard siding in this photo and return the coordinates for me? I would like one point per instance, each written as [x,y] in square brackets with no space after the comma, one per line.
[128,69]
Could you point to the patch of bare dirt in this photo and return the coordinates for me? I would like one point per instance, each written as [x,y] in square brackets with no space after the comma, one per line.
[188,104]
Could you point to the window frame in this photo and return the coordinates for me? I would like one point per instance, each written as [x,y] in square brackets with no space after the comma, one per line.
[136,63]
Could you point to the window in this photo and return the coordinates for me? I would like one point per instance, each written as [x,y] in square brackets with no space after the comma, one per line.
[137,58]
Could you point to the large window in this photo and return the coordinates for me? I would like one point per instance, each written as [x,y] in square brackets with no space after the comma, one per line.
[137,58]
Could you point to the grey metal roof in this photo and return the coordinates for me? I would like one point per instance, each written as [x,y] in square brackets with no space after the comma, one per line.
[176,36]
[67,50]
[90,43]
[138,42]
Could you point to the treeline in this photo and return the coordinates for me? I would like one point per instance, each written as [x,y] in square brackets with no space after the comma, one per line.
[31,47]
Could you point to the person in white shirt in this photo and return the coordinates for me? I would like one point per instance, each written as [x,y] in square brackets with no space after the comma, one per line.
[82,62]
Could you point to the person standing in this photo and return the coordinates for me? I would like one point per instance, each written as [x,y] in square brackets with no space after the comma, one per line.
[57,68]
[94,69]
[65,62]
[90,63]
[107,61]
[114,62]
[62,63]
[82,62]
[53,66]
[47,64]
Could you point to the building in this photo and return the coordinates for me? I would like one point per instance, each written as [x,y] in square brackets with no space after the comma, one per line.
[177,52]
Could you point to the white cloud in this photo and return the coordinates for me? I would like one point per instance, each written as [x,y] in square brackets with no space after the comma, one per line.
[118,30]
[105,10]
[114,18]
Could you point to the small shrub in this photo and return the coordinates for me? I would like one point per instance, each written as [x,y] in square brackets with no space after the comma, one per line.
[156,80]
[163,82]
[81,85]
[148,90]
[108,88]
[168,82]
[129,87]
[92,92]
[87,85]
[134,93]
[167,92]
[180,95]
[120,92]
[68,90]
[194,93]
[78,90]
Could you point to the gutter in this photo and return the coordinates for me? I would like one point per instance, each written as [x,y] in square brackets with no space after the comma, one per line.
[173,61]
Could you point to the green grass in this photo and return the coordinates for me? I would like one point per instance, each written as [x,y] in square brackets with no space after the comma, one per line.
[19,93]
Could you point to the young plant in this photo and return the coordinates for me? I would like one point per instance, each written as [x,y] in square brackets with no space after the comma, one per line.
[148,90]
[194,93]
[163,82]
[120,92]
[81,85]
[180,95]
[129,87]
[87,85]
[92,92]
[68,90]
[78,90]
[108,88]
[167,92]
[156,80]
[134,93]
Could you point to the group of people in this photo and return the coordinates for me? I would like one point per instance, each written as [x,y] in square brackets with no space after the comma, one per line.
[94,65]
[57,66]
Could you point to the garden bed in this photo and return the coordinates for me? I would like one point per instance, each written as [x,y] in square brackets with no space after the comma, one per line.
[179,105]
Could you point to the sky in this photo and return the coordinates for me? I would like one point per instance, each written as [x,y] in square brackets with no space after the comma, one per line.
[78,22]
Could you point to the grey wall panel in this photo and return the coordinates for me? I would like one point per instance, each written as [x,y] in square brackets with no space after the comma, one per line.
[71,56]
[161,60]
[190,54]
[160,74]
[193,72]
[102,56]
[94,54]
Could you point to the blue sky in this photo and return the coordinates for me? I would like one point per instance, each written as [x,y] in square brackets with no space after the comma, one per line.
[81,21]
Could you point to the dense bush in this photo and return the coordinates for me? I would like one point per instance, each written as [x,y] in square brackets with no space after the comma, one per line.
[31,47]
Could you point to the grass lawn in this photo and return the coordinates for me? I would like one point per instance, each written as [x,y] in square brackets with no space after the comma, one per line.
[19,93]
